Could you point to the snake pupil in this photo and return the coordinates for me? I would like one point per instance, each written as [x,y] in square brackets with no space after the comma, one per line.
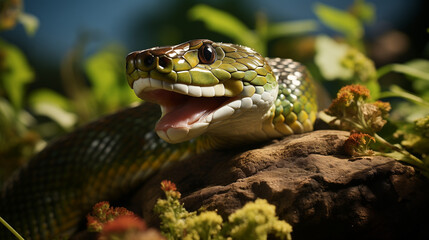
[206,54]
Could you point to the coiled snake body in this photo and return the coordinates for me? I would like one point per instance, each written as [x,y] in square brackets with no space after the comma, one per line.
[212,95]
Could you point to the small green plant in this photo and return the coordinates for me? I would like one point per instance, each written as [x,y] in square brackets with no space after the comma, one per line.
[343,62]
[353,110]
[18,137]
[415,137]
[256,220]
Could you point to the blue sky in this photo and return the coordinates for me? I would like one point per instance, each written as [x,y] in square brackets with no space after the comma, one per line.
[110,20]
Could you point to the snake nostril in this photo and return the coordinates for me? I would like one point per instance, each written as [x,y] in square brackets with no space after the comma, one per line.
[165,64]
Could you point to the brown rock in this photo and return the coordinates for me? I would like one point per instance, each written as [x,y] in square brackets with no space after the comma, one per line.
[315,187]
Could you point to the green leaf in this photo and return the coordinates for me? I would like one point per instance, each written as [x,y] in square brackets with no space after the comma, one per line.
[103,69]
[363,10]
[340,21]
[374,88]
[420,85]
[421,68]
[418,68]
[396,91]
[15,73]
[226,24]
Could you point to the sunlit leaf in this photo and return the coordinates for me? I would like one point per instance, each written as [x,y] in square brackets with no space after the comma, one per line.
[53,105]
[15,73]
[282,29]
[226,24]
[339,20]
[30,23]
[329,55]
[65,119]
[49,96]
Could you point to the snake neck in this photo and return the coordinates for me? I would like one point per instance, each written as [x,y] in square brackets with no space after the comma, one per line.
[293,110]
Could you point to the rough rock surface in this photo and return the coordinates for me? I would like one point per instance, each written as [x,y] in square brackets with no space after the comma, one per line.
[315,187]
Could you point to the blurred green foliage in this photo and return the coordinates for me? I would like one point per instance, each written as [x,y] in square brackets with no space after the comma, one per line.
[94,86]
[18,141]
[15,73]
[105,71]
[29,119]
[416,137]
[228,25]
[344,59]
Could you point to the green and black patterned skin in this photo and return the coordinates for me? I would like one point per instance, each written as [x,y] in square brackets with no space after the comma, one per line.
[251,99]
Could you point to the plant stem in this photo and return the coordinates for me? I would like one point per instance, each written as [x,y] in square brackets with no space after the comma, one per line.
[10,228]
[407,157]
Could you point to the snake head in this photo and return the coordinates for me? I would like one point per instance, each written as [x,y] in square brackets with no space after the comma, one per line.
[202,86]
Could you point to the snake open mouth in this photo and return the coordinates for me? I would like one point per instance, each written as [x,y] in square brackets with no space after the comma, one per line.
[182,111]
[187,110]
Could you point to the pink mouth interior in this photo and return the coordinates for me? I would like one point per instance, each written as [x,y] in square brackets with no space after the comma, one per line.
[182,110]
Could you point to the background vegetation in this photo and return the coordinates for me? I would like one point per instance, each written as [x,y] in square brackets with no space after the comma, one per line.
[38,104]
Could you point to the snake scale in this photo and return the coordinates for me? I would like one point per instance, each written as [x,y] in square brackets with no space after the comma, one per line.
[212,95]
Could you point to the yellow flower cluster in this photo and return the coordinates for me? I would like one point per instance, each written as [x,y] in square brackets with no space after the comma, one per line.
[254,221]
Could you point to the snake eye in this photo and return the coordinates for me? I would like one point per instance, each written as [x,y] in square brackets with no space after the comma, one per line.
[207,54]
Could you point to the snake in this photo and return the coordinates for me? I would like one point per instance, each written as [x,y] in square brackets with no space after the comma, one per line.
[198,96]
